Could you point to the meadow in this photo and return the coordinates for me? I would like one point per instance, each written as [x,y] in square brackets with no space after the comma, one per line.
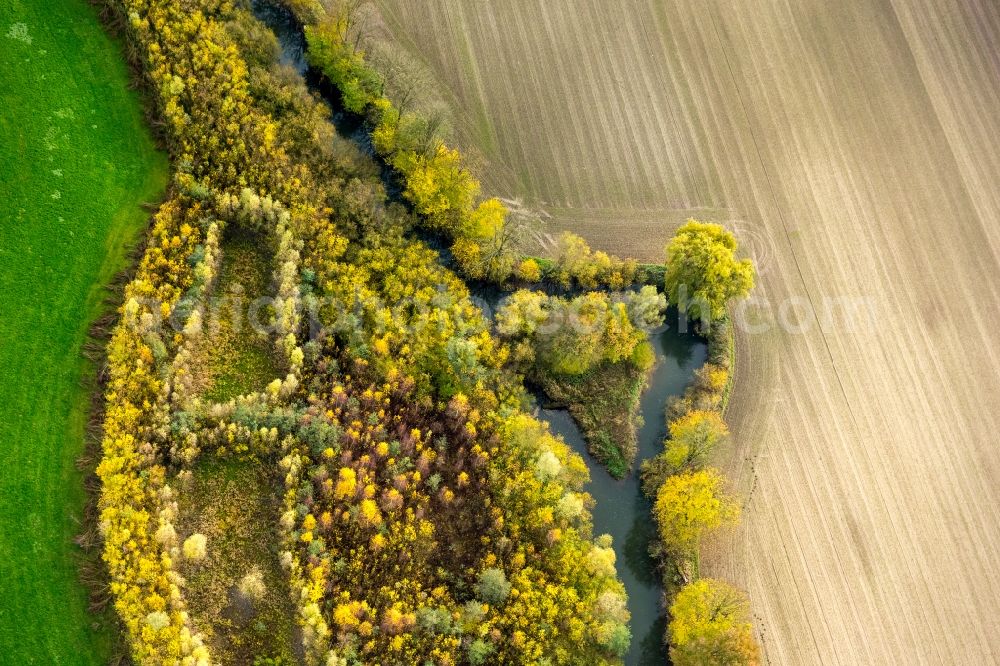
[76,164]
[853,148]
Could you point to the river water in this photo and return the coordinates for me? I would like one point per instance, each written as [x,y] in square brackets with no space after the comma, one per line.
[621,509]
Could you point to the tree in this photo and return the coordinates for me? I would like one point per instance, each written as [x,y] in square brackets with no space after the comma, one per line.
[710,624]
[693,436]
[252,585]
[329,51]
[488,230]
[521,313]
[703,273]
[646,306]
[493,587]
[195,547]
[529,270]
[690,504]
[479,652]
[577,343]
[620,336]
[437,185]
[574,261]
[571,336]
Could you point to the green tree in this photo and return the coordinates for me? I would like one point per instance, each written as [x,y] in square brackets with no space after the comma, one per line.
[330,51]
[585,330]
[479,652]
[646,306]
[703,273]
[492,586]
[710,624]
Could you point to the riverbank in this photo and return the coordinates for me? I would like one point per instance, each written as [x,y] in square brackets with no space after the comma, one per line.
[621,508]
[604,403]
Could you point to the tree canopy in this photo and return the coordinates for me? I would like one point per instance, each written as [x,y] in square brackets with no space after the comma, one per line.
[710,624]
[703,273]
[690,504]
[693,436]
[569,337]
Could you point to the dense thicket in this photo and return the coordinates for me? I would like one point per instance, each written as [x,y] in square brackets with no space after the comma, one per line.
[562,336]
[439,534]
[428,518]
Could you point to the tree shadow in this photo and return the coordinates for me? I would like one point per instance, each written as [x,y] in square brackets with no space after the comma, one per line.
[636,545]
[651,648]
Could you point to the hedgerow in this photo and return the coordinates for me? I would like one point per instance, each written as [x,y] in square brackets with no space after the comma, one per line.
[484,237]
[710,619]
[135,509]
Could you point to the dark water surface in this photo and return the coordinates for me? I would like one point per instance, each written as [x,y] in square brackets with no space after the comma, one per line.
[292,40]
[621,509]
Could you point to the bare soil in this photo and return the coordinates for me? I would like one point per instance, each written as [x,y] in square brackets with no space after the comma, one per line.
[854,146]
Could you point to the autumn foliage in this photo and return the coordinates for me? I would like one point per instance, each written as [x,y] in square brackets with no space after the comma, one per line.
[426,516]
[710,624]
[709,619]
[446,195]
[703,273]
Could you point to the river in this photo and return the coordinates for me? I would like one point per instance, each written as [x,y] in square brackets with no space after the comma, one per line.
[621,509]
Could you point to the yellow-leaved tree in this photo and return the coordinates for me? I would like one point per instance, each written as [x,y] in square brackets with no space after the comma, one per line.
[703,272]
[690,504]
[693,436]
[437,185]
[710,624]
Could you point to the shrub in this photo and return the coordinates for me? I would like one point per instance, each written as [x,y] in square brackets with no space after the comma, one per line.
[195,547]
[643,357]
[529,270]
[252,585]
[576,263]
[479,652]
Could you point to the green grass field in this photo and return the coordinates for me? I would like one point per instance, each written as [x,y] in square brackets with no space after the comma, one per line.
[238,359]
[76,162]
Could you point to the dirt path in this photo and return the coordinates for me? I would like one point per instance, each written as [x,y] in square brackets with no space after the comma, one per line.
[855,147]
